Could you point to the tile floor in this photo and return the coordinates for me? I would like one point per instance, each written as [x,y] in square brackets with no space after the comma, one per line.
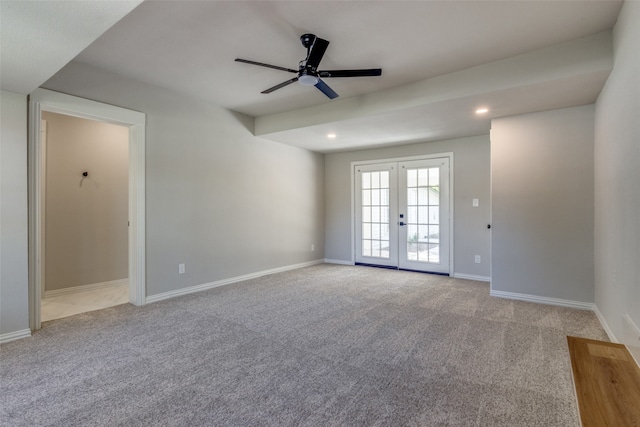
[81,302]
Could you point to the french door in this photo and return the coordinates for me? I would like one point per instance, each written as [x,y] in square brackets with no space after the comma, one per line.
[402,214]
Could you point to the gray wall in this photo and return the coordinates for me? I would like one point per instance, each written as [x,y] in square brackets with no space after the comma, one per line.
[471,180]
[218,199]
[617,181]
[14,307]
[542,204]
[86,233]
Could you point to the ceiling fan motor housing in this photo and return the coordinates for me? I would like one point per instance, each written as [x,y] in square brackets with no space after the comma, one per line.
[307,40]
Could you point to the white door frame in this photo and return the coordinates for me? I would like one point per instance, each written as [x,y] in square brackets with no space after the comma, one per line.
[44,100]
[354,164]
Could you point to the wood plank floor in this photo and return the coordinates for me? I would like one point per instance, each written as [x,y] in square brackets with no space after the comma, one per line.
[607,382]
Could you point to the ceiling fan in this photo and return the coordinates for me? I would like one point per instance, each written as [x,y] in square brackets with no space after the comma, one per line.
[308,73]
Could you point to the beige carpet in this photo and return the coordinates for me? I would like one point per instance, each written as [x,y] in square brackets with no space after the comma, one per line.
[322,346]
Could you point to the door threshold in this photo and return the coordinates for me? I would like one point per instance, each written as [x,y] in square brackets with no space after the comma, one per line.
[426,272]
[388,267]
[391,267]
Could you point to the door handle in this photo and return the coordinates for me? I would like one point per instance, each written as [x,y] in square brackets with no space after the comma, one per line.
[402,224]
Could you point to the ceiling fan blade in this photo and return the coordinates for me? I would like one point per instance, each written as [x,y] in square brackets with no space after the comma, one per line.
[372,72]
[281,85]
[324,88]
[275,67]
[317,52]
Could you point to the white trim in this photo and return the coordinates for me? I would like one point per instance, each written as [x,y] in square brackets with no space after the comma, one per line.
[402,159]
[43,199]
[490,228]
[35,195]
[229,281]
[635,331]
[84,288]
[338,261]
[17,335]
[44,100]
[544,300]
[604,324]
[137,213]
[452,223]
[631,336]
[471,277]
[352,223]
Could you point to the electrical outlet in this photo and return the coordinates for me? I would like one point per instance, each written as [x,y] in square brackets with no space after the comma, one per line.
[475,203]
[313,247]
[181,269]
[477,259]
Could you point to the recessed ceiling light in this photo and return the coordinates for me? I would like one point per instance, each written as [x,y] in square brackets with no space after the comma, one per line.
[331,135]
[482,110]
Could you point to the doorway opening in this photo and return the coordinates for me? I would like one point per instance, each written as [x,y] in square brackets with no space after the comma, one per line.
[42,103]
[85,224]
[403,213]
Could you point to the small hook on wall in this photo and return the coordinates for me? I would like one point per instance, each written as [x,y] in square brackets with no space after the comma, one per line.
[85,173]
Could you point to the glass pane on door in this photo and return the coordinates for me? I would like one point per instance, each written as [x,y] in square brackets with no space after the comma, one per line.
[423,208]
[375,214]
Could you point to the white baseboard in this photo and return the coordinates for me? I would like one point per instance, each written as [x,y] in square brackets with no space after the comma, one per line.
[83,288]
[338,261]
[544,300]
[631,334]
[471,277]
[12,336]
[224,282]
[631,337]
[604,324]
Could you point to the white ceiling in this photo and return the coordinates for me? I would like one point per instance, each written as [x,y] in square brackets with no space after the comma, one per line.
[422,47]
[38,38]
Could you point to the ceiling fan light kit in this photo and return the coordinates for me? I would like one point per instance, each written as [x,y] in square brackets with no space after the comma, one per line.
[308,80]
[308,73]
